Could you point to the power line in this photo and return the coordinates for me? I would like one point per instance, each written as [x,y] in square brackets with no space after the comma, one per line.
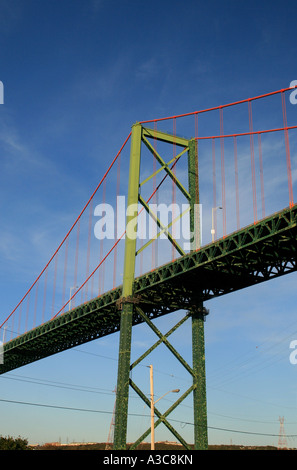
[109,392]
[86,410]
[103,391]
[49,383]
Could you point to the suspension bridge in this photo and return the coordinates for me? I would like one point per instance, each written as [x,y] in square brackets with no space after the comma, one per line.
[208,210]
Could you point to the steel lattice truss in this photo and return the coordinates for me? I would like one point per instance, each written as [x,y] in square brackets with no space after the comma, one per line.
[255,254]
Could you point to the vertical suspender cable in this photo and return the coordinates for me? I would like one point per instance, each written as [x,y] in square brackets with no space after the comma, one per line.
[198,224]
[155,243]
[20,318]
[116,221]
[89,246]
[75,223]
[173,188]
[252,161]
[44,294]
[54,285]
[35,304]
[65,271]
[12,326]
[223,172]
[76,256]
[236,183]
[101,270]
[214,188]
[288,157]
[27,311]
[261,175]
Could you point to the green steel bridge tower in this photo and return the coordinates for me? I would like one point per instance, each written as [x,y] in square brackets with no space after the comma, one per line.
[263,250]
[129,304]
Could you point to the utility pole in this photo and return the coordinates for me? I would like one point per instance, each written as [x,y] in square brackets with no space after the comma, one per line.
[153,402]
[152,409]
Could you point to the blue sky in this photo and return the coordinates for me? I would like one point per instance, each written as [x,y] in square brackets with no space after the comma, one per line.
[77,75]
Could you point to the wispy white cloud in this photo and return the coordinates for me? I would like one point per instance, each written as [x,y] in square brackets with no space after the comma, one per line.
[148,69]
[19,153]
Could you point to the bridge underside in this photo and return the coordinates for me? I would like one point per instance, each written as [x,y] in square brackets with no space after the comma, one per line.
[252,255]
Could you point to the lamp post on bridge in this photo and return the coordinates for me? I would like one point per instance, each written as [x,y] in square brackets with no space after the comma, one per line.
[70,296]
[213,210]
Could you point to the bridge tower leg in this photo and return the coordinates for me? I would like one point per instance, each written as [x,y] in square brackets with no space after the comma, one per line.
[199,378]
[121,412]
[198,312]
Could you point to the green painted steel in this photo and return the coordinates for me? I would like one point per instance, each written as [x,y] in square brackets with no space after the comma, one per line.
[197,312]
[122,391]
[166,167]
[164,137]
[199,379]
[162,339]
[121,412]
[162,418]
[128,300]
[162,227]
[254,254]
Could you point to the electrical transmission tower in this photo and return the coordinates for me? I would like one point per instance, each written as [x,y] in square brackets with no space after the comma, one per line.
[109,443]
[282,440]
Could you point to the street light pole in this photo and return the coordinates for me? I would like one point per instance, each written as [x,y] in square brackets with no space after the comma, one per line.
[70,296]
[152,409]
[153,406]
[212,221]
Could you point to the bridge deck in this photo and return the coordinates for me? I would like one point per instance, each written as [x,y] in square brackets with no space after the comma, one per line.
[252,255]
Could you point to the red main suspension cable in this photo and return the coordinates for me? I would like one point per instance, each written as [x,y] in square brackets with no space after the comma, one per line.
[68,233]
[219,107]
[288,157]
